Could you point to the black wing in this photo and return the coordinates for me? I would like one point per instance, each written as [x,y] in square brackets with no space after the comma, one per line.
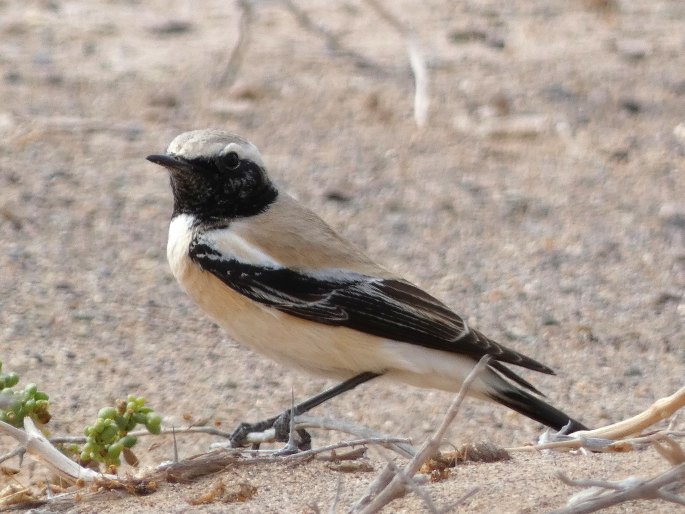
[388,308]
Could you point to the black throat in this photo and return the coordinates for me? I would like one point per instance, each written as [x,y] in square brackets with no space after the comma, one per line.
[212,196]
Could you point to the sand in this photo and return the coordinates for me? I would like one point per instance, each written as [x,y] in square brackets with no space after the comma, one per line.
[543,200]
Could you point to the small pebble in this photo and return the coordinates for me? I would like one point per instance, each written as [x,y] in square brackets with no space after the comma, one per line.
[673,214]
[633,371]
[337,196]
[679,132]
[171,27]
[631,105]
[634,49]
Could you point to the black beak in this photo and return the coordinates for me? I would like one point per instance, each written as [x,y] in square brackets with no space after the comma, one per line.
[170,162]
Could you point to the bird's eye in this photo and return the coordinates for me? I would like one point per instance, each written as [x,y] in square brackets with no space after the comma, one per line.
[231,160]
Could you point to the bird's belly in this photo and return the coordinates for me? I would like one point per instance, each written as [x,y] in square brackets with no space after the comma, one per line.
[335,352]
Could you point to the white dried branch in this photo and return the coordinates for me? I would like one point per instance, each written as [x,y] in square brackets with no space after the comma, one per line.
[602,439]
[385,441]
[19,451]
[669,450]
[380,441]
[601,445]
[411,483]
[389,485]
[605,494]
[660,410]
[417,62]
[420,71]
[230,72]
[40,449]
[403,447]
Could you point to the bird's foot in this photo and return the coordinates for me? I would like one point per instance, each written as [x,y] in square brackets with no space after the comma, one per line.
[298,440]
[239,437]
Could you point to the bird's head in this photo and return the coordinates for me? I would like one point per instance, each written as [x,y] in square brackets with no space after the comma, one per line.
[216,175]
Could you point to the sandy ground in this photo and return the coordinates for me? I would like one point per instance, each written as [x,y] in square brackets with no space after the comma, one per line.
[543,200]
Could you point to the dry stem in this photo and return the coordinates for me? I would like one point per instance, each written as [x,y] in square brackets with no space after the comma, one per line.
[626,490]
[39,448]
[416,61]
[604,438]
[389,484]
[232,68]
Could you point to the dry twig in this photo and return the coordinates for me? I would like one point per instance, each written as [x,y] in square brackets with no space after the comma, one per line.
[400,446]
[389,484]
[416,61]
[661,409]
[39,448]
[382,441]
[611,437]
[19,451]
[199,466]
[605,494]
[600,494]
[230,72]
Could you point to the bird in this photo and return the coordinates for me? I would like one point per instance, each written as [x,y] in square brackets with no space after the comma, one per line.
[282,282]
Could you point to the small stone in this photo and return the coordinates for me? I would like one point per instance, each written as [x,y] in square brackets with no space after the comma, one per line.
[7,122]
[13,77]
[171,27]
[679,132]
[632,371]
[549,320]
[467,35]
[163,99]
[667,297]
[337,196]
[634,49]
[471,35]
[84,315]
[631,105]
[673,214]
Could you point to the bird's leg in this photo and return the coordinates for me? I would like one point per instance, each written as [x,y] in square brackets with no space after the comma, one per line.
[281,423]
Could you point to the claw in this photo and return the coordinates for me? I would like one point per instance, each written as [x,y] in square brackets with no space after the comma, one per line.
[238,438]
[281,426]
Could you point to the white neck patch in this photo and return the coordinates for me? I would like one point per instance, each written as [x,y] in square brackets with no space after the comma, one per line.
[231,245]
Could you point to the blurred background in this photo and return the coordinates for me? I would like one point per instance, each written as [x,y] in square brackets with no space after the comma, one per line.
[542,198]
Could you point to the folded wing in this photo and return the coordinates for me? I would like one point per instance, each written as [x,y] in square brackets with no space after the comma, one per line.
[389,308]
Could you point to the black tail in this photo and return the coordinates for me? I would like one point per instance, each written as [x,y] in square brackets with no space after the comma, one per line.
[534,408]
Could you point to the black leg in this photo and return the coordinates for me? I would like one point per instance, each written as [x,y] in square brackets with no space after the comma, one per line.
[282,422]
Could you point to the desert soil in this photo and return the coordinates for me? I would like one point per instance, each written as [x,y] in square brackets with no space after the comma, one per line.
[543,200]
